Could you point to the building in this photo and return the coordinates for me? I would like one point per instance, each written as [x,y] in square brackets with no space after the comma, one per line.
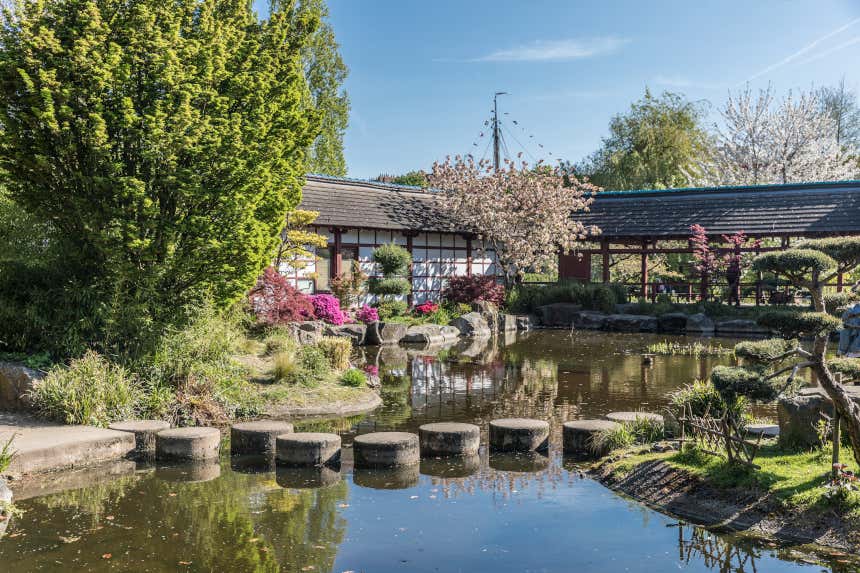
[358,216]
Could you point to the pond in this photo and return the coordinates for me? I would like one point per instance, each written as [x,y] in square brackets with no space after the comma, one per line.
[491,513]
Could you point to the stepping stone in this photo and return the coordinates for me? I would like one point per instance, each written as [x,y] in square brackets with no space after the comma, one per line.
[519,435]
[449,439]
[402,477]
[450,467]
[629,417]
[308,449]
[194,472]
[307,477]
[144,433]
[257,437]
[578,434]
[385,450]
[765,430]
[188,444]
[522,462]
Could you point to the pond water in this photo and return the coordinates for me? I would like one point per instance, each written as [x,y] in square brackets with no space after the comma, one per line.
[491,513]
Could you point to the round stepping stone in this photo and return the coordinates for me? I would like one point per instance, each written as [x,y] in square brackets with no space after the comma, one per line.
[144,433]
[195,472]
[308,449]
[257,437]
[385,450]
[628,417]
[765,430]
[450,467]
[307,477]
[578,435]
[519,435]
[449,439]
[523,462]
[387,478]
[188,444]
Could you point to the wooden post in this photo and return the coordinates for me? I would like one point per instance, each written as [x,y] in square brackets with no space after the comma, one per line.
[468,256]
[409,297]
[336,256]
[644,270]
[604,249]
[840,282]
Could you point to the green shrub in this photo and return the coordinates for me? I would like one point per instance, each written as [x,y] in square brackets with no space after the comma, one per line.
[392,259]
[391,308]
[797,324]
[353,377]
[526,298]
[848,367]
[314,365]
[793,262]
[91,390]
[701,396]
[762,352]
[279,340]
[733,381]
[606,441]
[337,351]
[37,361]
[390,286]
[835,303]
[845,250]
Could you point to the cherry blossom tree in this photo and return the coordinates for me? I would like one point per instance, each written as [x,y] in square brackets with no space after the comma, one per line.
[763,142]
[525,214]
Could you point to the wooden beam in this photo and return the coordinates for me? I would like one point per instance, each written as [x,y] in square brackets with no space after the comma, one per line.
[644,269]
[604,251]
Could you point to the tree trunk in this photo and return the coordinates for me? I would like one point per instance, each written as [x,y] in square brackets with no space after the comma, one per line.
[848,410]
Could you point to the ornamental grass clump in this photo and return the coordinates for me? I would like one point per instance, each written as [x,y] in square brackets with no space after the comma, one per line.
[337,350]
[91,390]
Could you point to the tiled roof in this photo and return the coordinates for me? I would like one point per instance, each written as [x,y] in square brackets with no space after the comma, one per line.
[805,208]
[369,204]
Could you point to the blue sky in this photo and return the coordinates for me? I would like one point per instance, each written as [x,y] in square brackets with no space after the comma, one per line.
[422,73]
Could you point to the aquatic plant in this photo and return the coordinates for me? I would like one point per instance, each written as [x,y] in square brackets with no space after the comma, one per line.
[695,349]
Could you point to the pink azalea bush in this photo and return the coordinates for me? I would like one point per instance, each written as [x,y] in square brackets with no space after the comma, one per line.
[367,314]
[327,308]
[428,307]
[371,369]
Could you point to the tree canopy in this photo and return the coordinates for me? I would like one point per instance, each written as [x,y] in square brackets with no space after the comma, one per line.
[163,142]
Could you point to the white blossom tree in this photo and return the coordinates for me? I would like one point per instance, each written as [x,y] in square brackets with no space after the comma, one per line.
[526,214]
[760,142]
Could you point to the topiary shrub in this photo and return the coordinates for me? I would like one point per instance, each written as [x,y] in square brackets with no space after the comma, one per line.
[469,289]
[848,367]
[794,262]
[275,301]
[354,378]
[91,390]
[389,309]
[391,286]
[836,303]
[733,381]
[327,308]
[393,261]
[701,396]
[843,250]
[761,352]
[797,324]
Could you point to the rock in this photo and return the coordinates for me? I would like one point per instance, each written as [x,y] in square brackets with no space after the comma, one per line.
[664,446]
[144,434]
[385,450]
[449,439]
[5,492]
[524,322]
[450,333]
[508,323]
[741,327]
[631,323]
[519,435]
[382,333]
[578,435]
[472,325]
[308,449]
[355,332]
[489,312]
[699,324]
[308,332]
[558,315]
[626,307]
[798,419]
[672,323]
[763,430]
[849,336]
[590,320]
[628,417]
[257,437]
[188,444]
[16,381]
[424,334]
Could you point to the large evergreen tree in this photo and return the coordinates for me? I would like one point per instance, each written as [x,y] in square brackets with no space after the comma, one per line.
[164,144]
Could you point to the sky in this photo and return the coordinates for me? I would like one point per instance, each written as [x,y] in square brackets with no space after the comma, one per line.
[423,73]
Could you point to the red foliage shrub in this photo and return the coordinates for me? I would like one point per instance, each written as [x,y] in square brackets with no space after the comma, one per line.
[426,308]
[471,289]
[276,301]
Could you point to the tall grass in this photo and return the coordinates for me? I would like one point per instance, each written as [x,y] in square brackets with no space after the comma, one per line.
[696,349]
[7,454]
[642,430]
[336,350]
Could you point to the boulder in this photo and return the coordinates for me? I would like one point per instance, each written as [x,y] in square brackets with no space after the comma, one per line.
[382,333]
[798,419]
[507,323]
[472,325]
[524,322]
[590,320]
[741,327]
[699,324]
[355,332]
[672,323]
[559,314]
[423,334]
[16,381]
[626,307]
[308,332]
[631,323]
[489,312]
[450,333]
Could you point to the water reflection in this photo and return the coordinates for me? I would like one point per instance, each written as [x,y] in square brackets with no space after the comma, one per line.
[386,478]
[307,477]
[450,467]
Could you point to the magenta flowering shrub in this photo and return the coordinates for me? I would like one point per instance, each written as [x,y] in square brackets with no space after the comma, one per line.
[428,307]
[371,369]
[327,308]
[367,314]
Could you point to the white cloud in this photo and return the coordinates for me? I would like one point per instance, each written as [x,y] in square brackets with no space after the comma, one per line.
[557,50]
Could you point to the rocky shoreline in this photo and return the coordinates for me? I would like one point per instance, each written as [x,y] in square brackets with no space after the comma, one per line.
[679,493]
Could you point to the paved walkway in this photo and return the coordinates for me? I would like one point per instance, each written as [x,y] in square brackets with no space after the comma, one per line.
[43,446]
